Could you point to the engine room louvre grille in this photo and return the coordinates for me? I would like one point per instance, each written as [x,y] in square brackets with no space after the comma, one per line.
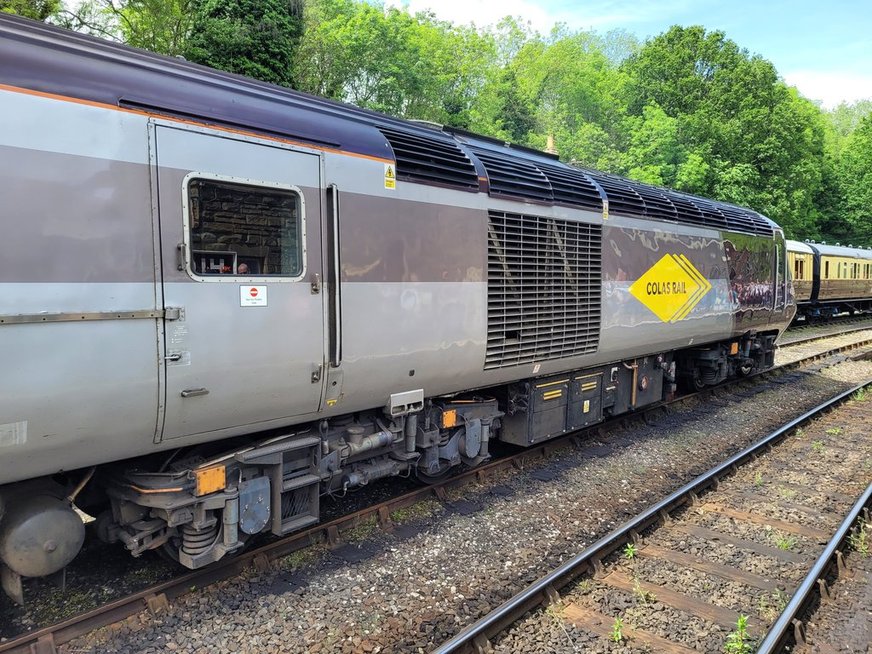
[657,204]
[514,177]
[622,197]
[710,212]
[688,212]
[543,288]
[572,186]
[431,160]
[763,226]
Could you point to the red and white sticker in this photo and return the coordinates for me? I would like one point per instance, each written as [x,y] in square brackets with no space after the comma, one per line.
[252,296]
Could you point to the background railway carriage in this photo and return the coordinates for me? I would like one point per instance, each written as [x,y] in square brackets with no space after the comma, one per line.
[830,279]
[222,299]
[801,262]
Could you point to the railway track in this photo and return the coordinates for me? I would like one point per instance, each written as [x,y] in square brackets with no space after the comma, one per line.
[797,336]
[718,558]
[158,596]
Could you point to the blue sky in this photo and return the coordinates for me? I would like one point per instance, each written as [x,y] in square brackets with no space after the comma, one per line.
[822,48]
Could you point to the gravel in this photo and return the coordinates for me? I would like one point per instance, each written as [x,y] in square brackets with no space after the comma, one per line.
[845,623]
[831,453]
[802,330]
[443,569]
[791,353]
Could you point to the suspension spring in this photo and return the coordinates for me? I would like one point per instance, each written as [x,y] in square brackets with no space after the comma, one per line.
[196,541]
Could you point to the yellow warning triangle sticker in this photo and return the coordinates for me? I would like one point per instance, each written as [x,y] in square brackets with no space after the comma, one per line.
[389,172]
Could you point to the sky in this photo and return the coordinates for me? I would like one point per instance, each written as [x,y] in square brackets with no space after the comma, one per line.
[822,48]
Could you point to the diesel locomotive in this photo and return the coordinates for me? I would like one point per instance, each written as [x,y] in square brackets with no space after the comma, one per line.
[222,300]
[830,279]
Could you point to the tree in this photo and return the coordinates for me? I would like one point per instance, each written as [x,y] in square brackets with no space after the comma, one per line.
[742,135]
[654,153]
[562,86]
[35,9]
[386,60]
[161,26]
[845,118]
[854,175]
[257,38]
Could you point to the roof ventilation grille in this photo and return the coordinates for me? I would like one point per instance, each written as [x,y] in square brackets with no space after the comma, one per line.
[622,198]
[431,160]
[514,177]
[572,186]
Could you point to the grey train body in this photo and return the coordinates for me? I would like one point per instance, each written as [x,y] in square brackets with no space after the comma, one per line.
[221,299]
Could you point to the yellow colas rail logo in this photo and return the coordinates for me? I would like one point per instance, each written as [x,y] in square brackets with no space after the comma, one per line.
[671,288]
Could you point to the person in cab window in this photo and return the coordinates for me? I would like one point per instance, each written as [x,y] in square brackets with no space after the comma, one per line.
[242,269]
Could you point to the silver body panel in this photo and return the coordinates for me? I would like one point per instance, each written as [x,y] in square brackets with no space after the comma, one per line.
[93,216]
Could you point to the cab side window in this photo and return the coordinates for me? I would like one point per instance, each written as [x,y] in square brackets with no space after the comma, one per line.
[241,229]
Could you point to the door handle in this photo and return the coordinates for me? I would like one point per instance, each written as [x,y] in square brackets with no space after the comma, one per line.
[195,392]
[316,284]
[175,356]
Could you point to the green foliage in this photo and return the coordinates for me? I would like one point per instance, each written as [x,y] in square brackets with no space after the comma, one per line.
[257,38]
[858,539]
[688,109]
[617,634]
[786,493]
[846,117]
[854,183]
[644,596]
[387,60]
[161,26]
[630,551]
[770,606]
[726,126]
[739,641]
[786,543]
[158,25]
[35,9]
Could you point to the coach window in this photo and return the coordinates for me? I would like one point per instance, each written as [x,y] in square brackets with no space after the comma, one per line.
[244,229]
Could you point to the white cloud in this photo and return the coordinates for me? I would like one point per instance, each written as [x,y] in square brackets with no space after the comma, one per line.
[831,88]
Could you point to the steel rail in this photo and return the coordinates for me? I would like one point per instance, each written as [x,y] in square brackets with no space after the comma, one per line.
[778,635]
[820,337]
[799,326]
[45,639]
[544,588]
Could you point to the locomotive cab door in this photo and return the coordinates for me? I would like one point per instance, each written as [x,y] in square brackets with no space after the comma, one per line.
[782,276]
[240,227]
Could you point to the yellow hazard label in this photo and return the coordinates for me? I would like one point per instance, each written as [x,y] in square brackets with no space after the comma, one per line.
[390,176]
[671,288]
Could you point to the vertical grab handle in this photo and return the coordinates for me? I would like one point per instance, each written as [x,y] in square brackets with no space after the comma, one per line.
[333,278]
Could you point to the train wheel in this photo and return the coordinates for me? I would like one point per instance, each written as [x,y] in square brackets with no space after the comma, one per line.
[445,471]
[692,383]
